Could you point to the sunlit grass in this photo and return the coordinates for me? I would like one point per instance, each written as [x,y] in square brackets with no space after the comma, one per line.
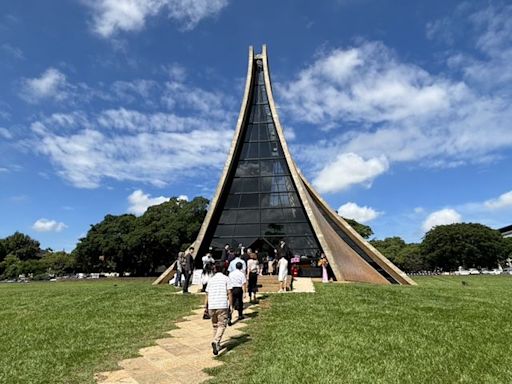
[64,332]
[442,331]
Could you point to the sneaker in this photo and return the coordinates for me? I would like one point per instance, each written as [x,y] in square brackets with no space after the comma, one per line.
[241,318]
[215,348]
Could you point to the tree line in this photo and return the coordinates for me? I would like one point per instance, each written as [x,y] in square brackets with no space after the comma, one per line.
[140,245]
[447,247]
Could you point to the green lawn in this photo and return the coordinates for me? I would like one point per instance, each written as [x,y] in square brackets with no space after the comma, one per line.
[64,332]
[441,331]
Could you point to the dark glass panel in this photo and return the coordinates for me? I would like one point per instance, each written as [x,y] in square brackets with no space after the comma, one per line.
[236,186]
[264,132]
[266,149]
[301,242]
[250,151]
[248,216]
[261,95]
[276,184]
[228,217]
[271,131]
[298,229]
[245,241]
[249,200]
[252,133]
[247,168]
[232,201]
[217,243]
[269,200]
[273,229]
[275,149]
[250,184]
[224,230]
[247,230]
[282,215]
[273,167]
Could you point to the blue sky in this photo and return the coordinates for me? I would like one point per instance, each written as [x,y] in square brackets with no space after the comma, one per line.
[399,112]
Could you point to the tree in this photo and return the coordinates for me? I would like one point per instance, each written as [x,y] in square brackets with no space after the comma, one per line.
[390,247]
[58,263]
[3,252]
[164,229]
[21,246]
[141,244]
[463,244]
[105,247]
[364,230]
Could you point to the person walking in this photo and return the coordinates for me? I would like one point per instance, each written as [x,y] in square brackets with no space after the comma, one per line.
[224,257]
[219,299]
[208,262]
[239,284]
[282,274]
[324,263]
[232,264]
[177,277]
[252,276]
[187,268]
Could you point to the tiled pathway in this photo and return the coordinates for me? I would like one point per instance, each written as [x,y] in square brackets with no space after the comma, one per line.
[181,357]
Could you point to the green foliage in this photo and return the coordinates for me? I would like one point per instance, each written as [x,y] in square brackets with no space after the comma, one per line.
[3,252]
[464,244]
[58,263]
[10,267]
[140,245]
[364,230]
[407,257]
[22,246]
[51,263]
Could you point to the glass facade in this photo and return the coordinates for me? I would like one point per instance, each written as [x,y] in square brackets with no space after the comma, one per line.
[262,206]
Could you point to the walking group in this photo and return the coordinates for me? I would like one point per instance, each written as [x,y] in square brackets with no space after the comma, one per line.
[230,280]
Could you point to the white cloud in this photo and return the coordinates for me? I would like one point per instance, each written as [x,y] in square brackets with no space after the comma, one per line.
[12,51]
[441,217]
[139,202]
[112,16]
[52,84]
[349,169]
[503,201]
[372,103]
[45,225]
[364,214]
[189,136]
[4,132]
[183,197]
[365,84]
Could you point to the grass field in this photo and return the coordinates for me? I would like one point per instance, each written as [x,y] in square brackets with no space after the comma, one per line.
[438,332]
[64,332]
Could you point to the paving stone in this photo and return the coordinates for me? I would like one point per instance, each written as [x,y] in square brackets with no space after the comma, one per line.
[155,378]
[138,364]
[190,374]
[113,377]
[179,359]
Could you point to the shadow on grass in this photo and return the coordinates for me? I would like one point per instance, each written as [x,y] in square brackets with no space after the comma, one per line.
[234,342]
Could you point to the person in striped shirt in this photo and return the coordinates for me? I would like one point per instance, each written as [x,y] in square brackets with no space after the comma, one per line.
[218,301]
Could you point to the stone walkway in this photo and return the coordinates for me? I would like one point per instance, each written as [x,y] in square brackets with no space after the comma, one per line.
[182,357]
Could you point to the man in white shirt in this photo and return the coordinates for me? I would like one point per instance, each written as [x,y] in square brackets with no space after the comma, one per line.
[232,265]
[238,282]
[218,301]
